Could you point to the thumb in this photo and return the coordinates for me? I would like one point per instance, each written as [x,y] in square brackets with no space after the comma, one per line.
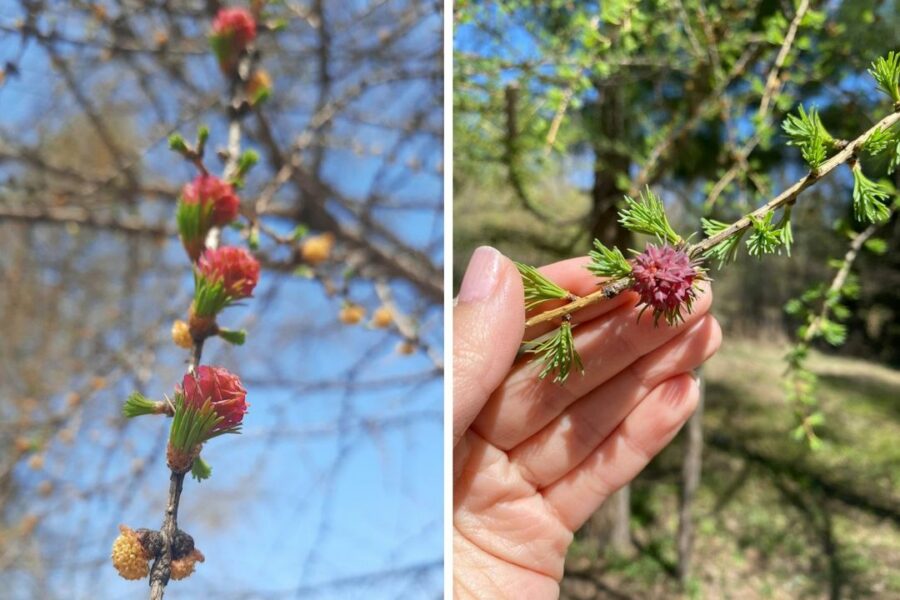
[488,324]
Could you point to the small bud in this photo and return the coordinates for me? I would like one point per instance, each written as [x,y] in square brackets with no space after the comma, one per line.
[351,314]
[202,135]
[317,249]
[382,317]
[247,160]
[177,143]
[36,462]
[160,38]
[45,488]
[129,556]
[259,87]
[406,348]
[181,335]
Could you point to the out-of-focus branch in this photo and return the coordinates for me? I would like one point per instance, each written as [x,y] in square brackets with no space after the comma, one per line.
[84,218]
[380,249]
[773,85]
[839,280]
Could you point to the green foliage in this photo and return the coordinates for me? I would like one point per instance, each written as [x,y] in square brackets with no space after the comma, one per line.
[805,131]
[210,297]
[876,246]
[136,405]
[647,215]
[247,160]
[177,143]
[193,219]
[895,156]
[194,426]
[886,71]
[202,136]
[879,141]
[557,353]
[767,237]
[820,312]
[884,143]
[538,289]
[200,469]
[832,332]
[236,337]
[304,272]
[869,199]
[786,229]
[726,250]
[608,262]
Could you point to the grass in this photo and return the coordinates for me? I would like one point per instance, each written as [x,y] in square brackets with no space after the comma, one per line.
[774,519]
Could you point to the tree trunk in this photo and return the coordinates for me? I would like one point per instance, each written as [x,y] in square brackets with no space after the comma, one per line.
[690,481]
[611,524]
[620,533]
[610,168]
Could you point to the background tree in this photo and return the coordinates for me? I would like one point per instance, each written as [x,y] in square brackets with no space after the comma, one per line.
[344,211]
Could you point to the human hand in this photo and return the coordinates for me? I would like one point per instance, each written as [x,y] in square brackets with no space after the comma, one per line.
[534,459]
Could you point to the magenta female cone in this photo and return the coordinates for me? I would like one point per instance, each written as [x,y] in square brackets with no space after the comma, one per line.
[234,267]
[233,30]
[222,389]
[664,277]
[205,202]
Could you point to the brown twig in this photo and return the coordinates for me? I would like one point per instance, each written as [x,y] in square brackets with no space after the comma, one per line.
[159,574]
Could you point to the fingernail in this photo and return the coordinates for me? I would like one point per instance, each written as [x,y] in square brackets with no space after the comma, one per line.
[481,275]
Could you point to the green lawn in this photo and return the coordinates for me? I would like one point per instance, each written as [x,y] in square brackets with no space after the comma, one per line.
[774,519]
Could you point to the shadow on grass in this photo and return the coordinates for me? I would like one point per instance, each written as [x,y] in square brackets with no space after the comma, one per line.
[772,500]
[880,394]
[811,490]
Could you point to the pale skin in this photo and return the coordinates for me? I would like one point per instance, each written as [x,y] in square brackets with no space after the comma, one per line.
[533,459]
